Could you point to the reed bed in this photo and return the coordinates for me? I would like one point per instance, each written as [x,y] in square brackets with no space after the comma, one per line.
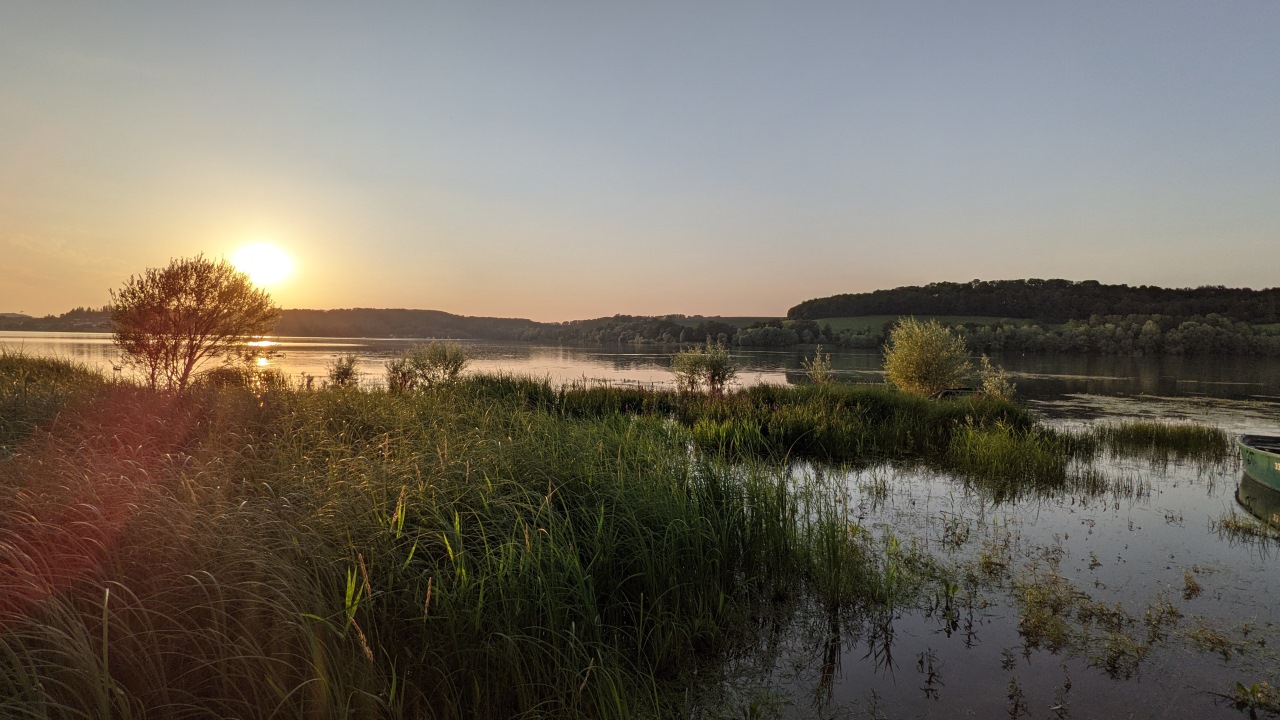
[846,423]
[484,550]
[1166,439]
[494,548]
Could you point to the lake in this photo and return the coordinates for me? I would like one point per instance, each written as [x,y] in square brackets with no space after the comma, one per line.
[1042,377]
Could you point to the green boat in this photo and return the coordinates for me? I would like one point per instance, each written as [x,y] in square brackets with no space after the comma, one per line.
[1261,457]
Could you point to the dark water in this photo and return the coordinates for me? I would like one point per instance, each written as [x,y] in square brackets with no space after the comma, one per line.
[1037,376]
[1128,549]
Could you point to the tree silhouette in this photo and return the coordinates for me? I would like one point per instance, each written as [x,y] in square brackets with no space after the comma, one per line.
[168,321]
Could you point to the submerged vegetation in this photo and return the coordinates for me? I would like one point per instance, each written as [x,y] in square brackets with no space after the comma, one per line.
[486,546]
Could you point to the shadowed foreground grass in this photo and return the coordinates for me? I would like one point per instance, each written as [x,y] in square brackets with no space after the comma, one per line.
[498,548]
[357,554]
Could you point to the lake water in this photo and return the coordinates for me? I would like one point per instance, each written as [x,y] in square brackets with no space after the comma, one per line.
[1044,377]
[1161,610]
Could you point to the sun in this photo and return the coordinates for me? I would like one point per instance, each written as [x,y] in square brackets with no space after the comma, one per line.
[265,264]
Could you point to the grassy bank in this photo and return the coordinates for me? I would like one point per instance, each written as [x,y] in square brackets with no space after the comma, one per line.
[497,548]
[459,553]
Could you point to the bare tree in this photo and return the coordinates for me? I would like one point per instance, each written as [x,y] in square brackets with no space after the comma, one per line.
[168,321]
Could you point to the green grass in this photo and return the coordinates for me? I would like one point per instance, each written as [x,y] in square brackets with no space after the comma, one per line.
[863,323]
[497,547]
[33,391]
[1180,440]
[493,549]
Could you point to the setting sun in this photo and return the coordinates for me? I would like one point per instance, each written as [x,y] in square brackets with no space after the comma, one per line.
[265,264]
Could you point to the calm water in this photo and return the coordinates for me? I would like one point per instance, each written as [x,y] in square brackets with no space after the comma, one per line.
[1130,549]
[1037,376]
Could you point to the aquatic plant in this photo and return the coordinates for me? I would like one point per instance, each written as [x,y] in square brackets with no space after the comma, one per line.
[469,552]
[1182,440]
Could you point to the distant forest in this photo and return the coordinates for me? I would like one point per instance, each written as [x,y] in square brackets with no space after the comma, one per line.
[1053,301]
[371,322]
[1028,316]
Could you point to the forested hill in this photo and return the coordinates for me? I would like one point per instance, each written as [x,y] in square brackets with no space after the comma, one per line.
[370,322]
[1047,300]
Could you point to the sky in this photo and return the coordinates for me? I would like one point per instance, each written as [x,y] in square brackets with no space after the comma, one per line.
[565,160]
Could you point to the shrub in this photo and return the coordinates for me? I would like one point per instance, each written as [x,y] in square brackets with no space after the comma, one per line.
[425,366]
[710,367]
[342,371]
[995,381]
[923,358]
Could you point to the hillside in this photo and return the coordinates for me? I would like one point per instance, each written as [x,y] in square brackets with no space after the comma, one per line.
[373,322]
[1047,301]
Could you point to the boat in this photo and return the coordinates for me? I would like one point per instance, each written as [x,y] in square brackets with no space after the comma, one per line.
[1261,457]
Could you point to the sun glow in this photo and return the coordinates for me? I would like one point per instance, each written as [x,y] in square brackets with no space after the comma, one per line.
[265,264]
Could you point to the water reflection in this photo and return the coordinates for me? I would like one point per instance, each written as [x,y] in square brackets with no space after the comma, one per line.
[1037,376]
[1259,500]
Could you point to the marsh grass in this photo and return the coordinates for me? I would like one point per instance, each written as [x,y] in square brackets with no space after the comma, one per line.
[1164,440]
[34,391]
[493,548]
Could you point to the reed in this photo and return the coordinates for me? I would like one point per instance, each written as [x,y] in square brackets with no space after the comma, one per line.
[1162,439]
[487,549]
[490,548]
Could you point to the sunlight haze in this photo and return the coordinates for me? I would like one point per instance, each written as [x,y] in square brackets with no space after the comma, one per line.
[567,160]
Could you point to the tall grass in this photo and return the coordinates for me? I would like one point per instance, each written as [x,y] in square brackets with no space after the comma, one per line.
[33,391]
[343,553]
[493,548]
[861,423]
[1180,440]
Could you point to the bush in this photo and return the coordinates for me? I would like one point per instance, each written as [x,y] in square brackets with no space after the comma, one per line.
[425,366]
[923,358]
[710,367]
[342,371]
[995,381]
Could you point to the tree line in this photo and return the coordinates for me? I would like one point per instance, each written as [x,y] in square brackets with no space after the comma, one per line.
[1055,301]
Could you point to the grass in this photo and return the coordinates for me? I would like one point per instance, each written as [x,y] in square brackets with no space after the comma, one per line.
[1164,439]
[499,547]
[494,549]
[851,423]
[33,391]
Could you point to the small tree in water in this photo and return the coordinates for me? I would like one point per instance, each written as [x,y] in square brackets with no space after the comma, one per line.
[711,367]
[923,358]
[169,321]
[424,366]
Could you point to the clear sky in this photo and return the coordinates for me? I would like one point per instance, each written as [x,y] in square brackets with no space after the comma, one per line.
[562,160]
